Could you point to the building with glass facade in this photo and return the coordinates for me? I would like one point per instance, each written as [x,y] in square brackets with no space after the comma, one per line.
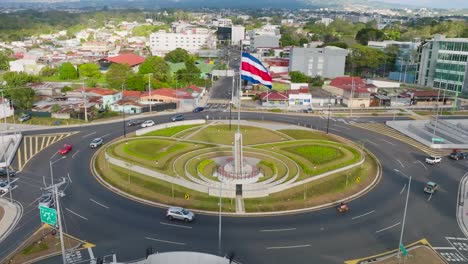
[443,64]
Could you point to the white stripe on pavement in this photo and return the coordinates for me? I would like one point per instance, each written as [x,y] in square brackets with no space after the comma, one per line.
[277,230]
[165,241]
[85,136]
[388,142]
[381,230]
[403,189]
[400,163]
[422,164]
[107,207]
[76,152]
[356,217]
[286,247]
[76,214]
[444,248]
[162,223]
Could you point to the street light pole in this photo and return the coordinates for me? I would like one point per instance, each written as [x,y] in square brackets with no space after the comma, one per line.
[328,119]
[404,214]
[123,113]
[84,102]
[62,245]
[149,87]
[219,227]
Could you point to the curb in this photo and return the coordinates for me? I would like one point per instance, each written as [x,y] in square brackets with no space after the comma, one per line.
[461,196]
[19,214]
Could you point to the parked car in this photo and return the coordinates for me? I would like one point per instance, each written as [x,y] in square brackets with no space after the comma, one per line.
[65,149]
[308,110]
[24,117]
[147,123]
[5,186]
[178,117]
[433,160]
[180,214]
[3,172]
[458,155]
[431,187]
[134,122]
[96,143]
[198,109]
[46,200]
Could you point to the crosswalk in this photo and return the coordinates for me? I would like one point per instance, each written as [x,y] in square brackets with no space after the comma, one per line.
[456,251]
[73,256]
[390,132]
[31,145]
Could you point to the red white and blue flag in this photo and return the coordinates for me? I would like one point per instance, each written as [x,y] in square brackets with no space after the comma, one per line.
[252,70]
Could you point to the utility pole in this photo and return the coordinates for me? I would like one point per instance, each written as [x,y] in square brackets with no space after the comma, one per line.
[328,119]
[149,88]
[84,102]
[404,214]
[219,227]
[123,113]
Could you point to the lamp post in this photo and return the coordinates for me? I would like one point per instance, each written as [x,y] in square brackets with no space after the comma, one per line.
[84,101]
[123,113]
[51,171]
[328,119]
[219,227]
[404,213]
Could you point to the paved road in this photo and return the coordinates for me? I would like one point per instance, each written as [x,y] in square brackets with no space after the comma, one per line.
[116,224]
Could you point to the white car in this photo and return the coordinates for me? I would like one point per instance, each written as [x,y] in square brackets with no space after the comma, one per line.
[4,186]
[147,123]
[180,214]
[433,160]
[96,143]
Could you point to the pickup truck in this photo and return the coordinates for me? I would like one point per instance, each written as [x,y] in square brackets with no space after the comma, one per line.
[433,160]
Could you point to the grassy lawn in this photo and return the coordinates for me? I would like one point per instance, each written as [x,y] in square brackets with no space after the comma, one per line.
[326,190]
[220,134]
[305,134]
[170,131]
[316,154]
[157,190]
[280,86]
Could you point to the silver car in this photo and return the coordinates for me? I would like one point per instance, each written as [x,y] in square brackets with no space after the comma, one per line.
[180,214]
[96,143]
[5,186]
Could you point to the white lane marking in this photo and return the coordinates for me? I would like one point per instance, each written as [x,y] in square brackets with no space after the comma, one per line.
[43,179]
[457,238]
[76,152]
[403,189]
[388,142]
[341,127]
[85,136]
[107,207]
[68,174]
[76,214]
[162,223]
[372,142]
[381,230]
[333,119]
[322,117]
[422,164]
[91,254]
[277,230]
[165,241]
[106,135]
[356,217]
[429,199]
[400,163]
[53,155]
[286,247]
[452,244]
[444,248]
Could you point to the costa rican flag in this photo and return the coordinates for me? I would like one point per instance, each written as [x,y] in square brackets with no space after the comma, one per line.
[252,70]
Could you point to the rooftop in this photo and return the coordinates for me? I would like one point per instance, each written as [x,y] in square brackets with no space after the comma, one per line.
[128,58]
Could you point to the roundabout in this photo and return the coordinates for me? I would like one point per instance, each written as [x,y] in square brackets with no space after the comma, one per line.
[127,227]
[284,171]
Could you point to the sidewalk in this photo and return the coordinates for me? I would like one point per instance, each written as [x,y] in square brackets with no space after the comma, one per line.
[12,214]
[462,206]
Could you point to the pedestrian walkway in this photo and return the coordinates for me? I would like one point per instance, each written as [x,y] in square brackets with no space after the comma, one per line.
[390,132]
[32,145]
[11,215]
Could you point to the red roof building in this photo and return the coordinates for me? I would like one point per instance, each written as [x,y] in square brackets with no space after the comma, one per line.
[274,96]
[351,83]
[128,58]
[100,91]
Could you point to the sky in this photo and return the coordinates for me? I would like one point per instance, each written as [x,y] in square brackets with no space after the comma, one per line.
[432,3]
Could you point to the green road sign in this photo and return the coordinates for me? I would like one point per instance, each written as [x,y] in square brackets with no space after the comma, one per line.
[439,140]
[403,250]
[48,215]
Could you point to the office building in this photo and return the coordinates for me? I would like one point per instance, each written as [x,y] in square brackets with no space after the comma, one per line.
[191,40]
[327,62]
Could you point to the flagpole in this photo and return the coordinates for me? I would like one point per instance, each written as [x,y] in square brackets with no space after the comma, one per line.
[238,93]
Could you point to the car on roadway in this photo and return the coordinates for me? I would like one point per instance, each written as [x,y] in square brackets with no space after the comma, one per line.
[3,172]
[47,200]
[180,213]
[433,160]
[178,117]
[24,117]
[5,186]
[147,123]
[96,143]
[198,109]
[65,149]
[458,155]
[431,187]
[135,122]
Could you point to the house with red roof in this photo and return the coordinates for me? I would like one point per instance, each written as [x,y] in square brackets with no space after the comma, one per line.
[187,97]
[351,91]
[128,58]
[274,98]
[108,96]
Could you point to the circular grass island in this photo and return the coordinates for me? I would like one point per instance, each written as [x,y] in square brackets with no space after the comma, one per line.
[180,164]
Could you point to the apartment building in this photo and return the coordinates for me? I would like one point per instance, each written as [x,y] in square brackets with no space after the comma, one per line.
[327,62]
[191,40]
[443,63]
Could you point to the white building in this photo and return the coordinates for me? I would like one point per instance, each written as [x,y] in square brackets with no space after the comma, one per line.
[222,22]
[237,34]
[324,20]
[191,40]
[328,62]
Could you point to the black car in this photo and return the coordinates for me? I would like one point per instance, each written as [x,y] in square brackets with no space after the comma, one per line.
[198,109]
[178,118]
[458,155]
[134,122]
[3,172]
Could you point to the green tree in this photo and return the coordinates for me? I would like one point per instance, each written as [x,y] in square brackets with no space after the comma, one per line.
[146,30]
[364,58]
[335,44]
[136,83]
[48,71]
[118,74]
[4,61]
[22,97]
[157,66]
[317,81]
[67,71]
[299,77]
[55,108]
[369,34]
[177,55]
[89,70]
[190,74]
[17,79]
[66,89]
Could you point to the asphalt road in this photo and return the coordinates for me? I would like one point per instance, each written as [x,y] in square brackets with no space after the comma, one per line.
[121,226]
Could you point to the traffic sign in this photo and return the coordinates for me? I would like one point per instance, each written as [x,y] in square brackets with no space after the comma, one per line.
[358,179]
[403,250]
[48,215]
[436,139]
[187,196]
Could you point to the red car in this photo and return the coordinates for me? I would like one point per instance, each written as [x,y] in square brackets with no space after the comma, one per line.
[65,149]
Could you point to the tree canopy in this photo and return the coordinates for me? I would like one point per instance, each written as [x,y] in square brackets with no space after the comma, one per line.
[156,66]
[299,77]
[363,58]
[17,79]
[177,55]
[67,71]
[369,34]
[89,70]
[118,74]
